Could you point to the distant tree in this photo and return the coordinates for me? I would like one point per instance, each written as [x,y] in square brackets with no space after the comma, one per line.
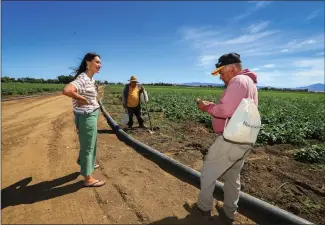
[52,81]
[282,89]
[63,79]
[6,79]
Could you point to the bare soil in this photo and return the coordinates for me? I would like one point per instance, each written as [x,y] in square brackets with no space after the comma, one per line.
[40,177]
[12,97]
[270,172]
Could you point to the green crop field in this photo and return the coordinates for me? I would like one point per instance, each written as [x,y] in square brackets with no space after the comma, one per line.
[287,117]
[11,89]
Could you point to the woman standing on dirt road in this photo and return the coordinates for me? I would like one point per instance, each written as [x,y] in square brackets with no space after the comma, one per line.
[83,91]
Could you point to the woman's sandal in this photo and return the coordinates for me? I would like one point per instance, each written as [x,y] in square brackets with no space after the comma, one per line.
[97,183]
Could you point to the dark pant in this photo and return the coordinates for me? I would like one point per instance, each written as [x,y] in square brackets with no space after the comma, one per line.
[137,112]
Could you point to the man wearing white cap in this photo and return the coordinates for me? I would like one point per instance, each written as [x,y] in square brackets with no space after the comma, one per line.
[225,158]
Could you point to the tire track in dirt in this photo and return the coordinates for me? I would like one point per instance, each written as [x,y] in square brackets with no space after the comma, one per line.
[142,217]
[58,150]
[21,104]
[26,109]
[20,97]
[13,136]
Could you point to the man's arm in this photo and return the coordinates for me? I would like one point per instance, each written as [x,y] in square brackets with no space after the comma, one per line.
[141,89]
[234,93]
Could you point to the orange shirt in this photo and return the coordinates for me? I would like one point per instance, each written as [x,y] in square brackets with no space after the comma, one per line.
[133,98]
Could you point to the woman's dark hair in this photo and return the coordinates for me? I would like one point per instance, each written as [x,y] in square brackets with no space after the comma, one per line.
[83,65]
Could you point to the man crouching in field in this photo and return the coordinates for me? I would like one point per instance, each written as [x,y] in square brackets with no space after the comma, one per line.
[225,158]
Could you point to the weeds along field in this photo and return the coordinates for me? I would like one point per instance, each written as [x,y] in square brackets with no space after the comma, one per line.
[285,168]
[13,89]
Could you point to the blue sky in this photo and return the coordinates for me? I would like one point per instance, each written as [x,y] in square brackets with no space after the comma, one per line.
[283,42]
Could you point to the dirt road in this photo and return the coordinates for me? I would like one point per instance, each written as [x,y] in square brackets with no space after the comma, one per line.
[41,182]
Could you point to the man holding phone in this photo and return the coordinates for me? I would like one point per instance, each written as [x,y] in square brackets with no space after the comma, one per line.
[225,158]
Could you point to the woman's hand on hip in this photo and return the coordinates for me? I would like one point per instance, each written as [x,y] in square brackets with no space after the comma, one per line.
[82,102]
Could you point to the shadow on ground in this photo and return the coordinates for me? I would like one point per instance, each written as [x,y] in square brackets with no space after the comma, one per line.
[189,220]
[105,132]
[19,193]
[192,218]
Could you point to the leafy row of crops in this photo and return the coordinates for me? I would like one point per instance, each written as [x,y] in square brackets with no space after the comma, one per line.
[285,119]
[311,154]
[8,89]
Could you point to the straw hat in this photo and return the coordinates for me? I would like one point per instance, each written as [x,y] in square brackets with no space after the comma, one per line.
[133,78]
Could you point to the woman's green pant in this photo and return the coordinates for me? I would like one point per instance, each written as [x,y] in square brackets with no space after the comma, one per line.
[86,125]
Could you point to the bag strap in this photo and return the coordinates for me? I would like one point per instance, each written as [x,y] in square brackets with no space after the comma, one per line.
[249,91]
[248,86]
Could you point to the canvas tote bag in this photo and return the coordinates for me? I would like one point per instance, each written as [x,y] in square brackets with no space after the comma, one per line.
[245,123]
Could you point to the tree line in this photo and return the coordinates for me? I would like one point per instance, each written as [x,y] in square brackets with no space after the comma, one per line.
[65,79]
[62,79]
[182,85]
[282,89]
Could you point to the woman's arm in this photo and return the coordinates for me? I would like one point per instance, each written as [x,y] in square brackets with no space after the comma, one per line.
[71,91]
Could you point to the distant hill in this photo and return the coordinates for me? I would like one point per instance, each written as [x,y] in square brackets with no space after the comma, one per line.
[314,87]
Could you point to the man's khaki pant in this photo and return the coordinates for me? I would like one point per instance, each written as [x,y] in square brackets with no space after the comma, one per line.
[224,159]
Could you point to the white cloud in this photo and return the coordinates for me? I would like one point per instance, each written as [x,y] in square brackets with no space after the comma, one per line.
[255,69]
[257,6]
[266,43]
[316,63]
[190,33]
[312,15]
[261,4]
[294,73]
[296,44]
[308,71]
[298,73]
[242,16]
[248,38]
[257,27]
[302,45]
[269,66]
[207,60]
[272,52]
[268,78]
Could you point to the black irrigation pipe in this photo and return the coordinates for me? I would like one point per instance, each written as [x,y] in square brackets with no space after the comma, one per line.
[259,211]
[30,96]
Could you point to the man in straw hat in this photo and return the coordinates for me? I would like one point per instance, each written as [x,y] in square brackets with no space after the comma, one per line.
[224,158]
[131,101]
